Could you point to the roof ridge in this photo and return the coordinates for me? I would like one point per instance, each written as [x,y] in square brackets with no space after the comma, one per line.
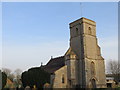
[57,57]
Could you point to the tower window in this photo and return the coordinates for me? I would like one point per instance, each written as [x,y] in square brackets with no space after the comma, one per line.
[89,31]
[93,83]
[92,68]
[63,80]
[76,31]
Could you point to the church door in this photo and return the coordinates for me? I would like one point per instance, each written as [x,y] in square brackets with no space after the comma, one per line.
[93,83]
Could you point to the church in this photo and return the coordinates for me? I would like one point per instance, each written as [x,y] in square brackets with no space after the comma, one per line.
[82,66]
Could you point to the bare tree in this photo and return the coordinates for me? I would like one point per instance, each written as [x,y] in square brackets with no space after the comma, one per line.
[9,73]
[17,80]
[6,71]
[114,69]
[11,76]
[17,73]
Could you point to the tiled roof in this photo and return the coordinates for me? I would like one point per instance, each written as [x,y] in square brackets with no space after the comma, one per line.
[54,64]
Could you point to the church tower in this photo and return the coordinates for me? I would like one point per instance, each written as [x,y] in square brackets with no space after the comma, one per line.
[85,65]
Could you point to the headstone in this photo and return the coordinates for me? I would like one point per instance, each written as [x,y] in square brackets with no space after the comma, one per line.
[27,87]
[46,85]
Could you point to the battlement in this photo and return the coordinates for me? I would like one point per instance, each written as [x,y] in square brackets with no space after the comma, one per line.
[82,20]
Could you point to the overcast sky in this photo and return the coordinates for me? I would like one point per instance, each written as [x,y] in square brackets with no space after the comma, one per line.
[33,32]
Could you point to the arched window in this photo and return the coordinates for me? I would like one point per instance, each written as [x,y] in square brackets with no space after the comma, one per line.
[93,83]
[76,31]
[92,68]
[63,80]
[89,31]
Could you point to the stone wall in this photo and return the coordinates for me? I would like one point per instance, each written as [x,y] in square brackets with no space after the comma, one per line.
[59,75]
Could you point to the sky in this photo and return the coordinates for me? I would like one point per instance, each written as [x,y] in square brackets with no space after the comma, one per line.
[32,32]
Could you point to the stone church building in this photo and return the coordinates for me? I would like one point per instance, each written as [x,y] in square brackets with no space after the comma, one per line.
[82,65]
